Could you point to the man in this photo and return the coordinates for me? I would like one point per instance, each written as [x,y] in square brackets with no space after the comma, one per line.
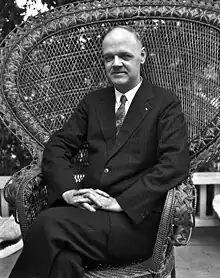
[137,151]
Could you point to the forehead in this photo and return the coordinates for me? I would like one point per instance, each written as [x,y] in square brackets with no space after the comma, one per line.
[120,40]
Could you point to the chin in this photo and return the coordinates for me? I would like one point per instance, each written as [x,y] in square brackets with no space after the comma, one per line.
[119,81]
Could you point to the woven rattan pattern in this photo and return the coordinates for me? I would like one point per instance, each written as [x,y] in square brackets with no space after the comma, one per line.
[182,44]
[60,71]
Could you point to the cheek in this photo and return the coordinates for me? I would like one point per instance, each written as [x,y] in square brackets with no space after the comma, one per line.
[135,66]
[131,67]
[107,67]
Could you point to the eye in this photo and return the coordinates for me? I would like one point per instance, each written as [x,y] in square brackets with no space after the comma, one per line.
[107,59]
[126,56]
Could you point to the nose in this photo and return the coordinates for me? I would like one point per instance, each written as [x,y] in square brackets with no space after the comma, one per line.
[117,61]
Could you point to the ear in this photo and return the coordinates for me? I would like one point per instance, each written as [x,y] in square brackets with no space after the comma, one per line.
[143,55]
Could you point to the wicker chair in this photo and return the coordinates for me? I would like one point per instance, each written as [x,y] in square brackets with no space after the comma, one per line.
[50,63]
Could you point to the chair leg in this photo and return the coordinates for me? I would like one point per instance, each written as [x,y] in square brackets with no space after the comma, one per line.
[173,273]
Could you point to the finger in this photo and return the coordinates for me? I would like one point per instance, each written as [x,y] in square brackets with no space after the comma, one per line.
[102,193]
[94,198]
[94,206]
[83,206]
[90,190]
[80,199]
[88,207]
[79,206]
[82,191]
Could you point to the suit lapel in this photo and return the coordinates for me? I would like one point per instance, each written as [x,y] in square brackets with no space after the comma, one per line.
[138,110]
[105,110]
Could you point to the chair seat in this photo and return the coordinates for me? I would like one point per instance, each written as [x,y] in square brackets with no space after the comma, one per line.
[142,269]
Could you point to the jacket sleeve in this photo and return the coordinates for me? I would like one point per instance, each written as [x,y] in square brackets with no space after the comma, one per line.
[172,166]
[61,147]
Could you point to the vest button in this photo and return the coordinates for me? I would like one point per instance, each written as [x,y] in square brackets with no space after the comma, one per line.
[106,170]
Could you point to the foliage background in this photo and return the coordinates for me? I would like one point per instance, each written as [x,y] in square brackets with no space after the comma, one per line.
[13,156]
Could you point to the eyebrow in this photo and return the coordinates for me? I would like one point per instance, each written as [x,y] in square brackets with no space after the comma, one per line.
[119,53]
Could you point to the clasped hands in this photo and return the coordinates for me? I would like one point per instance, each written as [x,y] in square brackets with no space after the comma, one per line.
[91,199]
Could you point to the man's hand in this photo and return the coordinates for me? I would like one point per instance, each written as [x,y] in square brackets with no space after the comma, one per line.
[91,199]
[99,199]
[76,198]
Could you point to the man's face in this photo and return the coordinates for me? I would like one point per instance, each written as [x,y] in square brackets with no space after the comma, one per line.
[123,55]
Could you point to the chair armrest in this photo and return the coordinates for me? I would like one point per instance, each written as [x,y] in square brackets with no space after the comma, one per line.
[27,192]
[12,186]
[177,221]
[184,212]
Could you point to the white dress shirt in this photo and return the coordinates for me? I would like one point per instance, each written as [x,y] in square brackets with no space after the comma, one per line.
[129,95]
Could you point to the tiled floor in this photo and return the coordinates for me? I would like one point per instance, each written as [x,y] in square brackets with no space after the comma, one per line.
[199,259]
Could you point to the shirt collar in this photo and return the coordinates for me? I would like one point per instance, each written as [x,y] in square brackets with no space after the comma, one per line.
[129,95]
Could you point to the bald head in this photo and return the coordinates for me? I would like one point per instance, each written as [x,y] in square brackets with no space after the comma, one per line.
[116,31]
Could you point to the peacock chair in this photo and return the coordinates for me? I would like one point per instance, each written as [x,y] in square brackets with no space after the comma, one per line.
[50,62]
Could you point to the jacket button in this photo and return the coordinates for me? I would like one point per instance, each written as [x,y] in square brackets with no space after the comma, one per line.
[106,170]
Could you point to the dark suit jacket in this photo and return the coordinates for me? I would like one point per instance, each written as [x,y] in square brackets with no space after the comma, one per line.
[149,156]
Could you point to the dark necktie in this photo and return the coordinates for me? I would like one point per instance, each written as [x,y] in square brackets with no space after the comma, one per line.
[120,114]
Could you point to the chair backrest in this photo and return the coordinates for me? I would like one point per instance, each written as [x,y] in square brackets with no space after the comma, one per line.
[53,60]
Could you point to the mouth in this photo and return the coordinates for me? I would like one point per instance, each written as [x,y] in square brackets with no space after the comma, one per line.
[118,73]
